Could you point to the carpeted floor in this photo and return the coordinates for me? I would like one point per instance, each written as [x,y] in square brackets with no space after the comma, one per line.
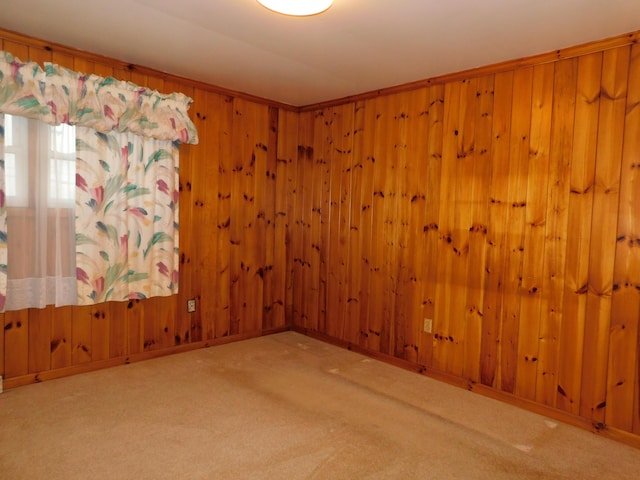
[285,407]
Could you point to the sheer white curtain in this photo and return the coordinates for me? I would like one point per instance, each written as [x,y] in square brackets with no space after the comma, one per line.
[40,198]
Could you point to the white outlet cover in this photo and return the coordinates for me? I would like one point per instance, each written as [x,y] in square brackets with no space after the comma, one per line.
[191,305]
[428,325]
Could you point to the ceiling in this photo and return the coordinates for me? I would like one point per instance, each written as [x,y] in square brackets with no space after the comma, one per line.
[354,47]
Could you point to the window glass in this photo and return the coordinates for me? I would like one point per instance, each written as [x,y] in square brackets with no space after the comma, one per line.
[25,141]
[16,160]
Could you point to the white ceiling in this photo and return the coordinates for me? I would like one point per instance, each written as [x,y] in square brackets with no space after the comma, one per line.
[356,46]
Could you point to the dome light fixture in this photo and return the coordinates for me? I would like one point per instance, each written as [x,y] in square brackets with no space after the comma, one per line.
[297,8]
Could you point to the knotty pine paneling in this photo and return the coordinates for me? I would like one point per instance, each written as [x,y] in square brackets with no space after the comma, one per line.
[503,207]
[501,203]
[623,374]
[235,205]
[285,181]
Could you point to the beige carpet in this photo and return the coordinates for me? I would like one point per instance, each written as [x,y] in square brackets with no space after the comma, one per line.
[285,407]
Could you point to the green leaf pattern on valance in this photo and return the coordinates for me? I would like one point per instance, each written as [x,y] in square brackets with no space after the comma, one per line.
[55,95]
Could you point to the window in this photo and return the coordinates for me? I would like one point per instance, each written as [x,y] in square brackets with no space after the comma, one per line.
[120,233]
[16,131]
[62,166]
[29,142]
[40,197]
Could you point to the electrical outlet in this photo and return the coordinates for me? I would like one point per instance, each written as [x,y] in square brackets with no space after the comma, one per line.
[428,325]
[191,305]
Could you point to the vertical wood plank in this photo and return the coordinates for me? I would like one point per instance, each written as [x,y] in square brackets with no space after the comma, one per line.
[430,229]
[379,260]
[118,328]
[496,234]
[236,234]
[399,319]
[40,55]
[354,290]
[270,271]
[16,343]
[364,148]
[206,166]
[323,141]
[465,161]
[529,355]
[448,246]
[81,335]
[150,327]
[17,49]
[306,296]
[249,157]
[563,117]
[100,328]
[613,93]
[393,124]
[122,73]
[164,309]
[474,310]
[61,322]
[198,325]
[39,339]
[290,225]
[137,327]
[314,255]
[256,254]
[62,59]
[102,69]
[152,82]
[578,240]
[333,251]
[223,255]
[516,204]
[262,213]
[625,301]
[83,65]
[299,228]
[283,283]
[413,263]
[339,210]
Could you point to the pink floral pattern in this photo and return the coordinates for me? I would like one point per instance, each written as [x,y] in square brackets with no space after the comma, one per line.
[128,247]
[57,95]
[126,175]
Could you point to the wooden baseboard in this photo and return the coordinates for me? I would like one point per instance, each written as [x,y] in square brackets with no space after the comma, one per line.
[113,362]
[545,410]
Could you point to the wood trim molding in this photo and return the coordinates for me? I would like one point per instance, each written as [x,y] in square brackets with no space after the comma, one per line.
[540,409]
[553,56]
[51,46]
[22,380]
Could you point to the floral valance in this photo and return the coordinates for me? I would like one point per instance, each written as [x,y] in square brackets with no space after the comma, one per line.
[58,95]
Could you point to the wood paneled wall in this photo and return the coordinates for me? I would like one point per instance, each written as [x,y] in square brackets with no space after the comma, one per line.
[502,206]
[233,220]
[505,208]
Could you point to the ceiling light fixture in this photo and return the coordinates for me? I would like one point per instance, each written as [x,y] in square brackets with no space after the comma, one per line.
[297,8]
